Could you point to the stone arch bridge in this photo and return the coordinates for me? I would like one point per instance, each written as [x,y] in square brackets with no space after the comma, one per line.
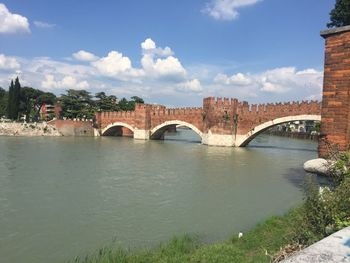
[220,122]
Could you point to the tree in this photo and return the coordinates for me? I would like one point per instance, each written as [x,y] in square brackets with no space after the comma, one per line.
[10,101]
[106,103]
[16,99]
[340,15]
[134,100]
[137,99]
[3,102]
[77,104]
[28,96]
[32,101]
[126,105]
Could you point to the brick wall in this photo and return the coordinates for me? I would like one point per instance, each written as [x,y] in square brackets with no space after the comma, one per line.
[335,123]
[73,128]
[224,116]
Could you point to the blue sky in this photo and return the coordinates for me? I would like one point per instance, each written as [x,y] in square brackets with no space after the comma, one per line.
[169,52]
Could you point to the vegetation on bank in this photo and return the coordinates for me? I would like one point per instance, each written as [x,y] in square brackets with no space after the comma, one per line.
[18,102]
[324,211]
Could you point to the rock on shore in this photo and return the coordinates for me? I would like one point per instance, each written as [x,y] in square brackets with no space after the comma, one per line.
[318,166]
[27,129]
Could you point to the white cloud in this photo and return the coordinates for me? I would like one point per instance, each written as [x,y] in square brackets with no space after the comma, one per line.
[155,66]
[226,9]
[113,64]
[193,85]
[83,55]
[45,25]
[8,63]
[238,79]
[278,80]
[149,47]
[278,84]
[68,82]
[272,87]
[167,67]
[12,23]
[148,44]
[117,66]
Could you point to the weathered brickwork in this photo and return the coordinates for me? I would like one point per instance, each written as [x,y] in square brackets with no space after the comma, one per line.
[227,117]
[335,124]
[234,117]
[73,127]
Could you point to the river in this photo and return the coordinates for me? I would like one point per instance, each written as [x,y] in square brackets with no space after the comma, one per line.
[68,196]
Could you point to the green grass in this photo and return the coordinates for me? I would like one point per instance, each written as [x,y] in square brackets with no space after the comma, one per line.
[255,246]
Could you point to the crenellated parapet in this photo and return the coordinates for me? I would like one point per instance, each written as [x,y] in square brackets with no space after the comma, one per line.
[176,111]
[219,122]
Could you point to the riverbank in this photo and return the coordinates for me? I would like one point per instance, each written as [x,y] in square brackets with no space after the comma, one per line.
[271,241]
[323,213]
[261,244]
[27,129]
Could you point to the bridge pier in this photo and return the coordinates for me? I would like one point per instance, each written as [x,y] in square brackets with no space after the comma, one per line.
[213,139]
[141,134]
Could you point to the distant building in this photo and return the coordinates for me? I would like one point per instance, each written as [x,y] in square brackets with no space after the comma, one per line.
[48,112]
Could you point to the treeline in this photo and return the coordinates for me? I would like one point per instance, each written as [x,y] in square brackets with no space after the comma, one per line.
[26,102]
[81,104]
[19,102]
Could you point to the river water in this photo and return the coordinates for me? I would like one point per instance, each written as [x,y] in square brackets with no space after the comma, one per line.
[68,196]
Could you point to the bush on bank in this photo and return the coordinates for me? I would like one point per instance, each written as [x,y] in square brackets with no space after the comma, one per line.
[324,211]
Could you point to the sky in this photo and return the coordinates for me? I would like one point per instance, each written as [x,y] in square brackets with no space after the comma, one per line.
[168,52]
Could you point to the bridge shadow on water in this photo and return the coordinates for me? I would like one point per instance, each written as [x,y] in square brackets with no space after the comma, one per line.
[181,140]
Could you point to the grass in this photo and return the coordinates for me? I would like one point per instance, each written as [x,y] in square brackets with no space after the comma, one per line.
[256,245]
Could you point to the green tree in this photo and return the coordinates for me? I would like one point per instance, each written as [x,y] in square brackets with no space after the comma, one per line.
[340,15]
[10,101]
[28,96]
[134,100]
[77,104]
[106,103]
[32,101]
[15,100]
[3,102]
[126,105]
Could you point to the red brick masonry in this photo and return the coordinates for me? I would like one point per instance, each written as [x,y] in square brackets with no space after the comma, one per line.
[219,116]
[335,123]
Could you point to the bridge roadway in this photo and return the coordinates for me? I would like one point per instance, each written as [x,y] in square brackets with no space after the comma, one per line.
[220,122]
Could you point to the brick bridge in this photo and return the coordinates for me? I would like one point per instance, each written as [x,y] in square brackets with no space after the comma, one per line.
[220,122]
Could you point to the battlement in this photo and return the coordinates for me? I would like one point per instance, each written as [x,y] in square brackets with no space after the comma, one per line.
[275,108]
[177,111]
[116,114]
[233,106]
[219,102]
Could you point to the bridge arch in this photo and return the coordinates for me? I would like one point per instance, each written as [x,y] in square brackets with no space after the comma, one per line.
[243,140]
[159,130]
[117,124]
